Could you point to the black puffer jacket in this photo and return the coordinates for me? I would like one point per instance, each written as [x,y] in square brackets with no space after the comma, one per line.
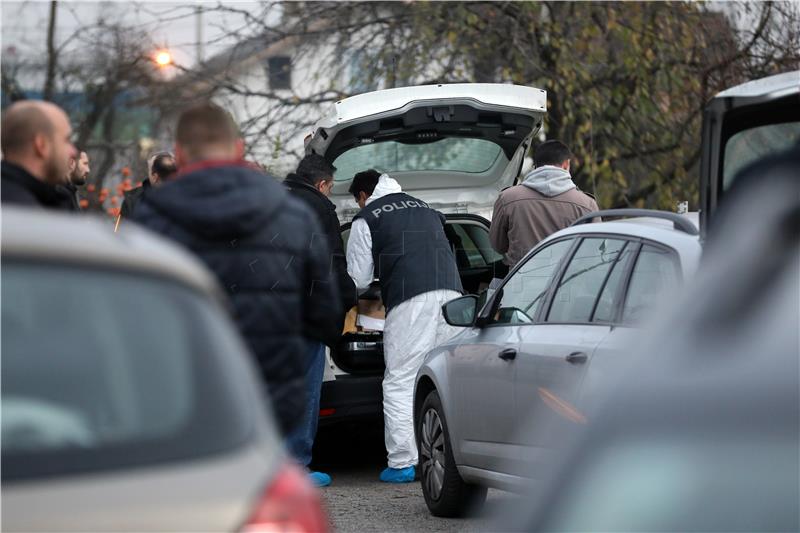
[326,213]
[258,241]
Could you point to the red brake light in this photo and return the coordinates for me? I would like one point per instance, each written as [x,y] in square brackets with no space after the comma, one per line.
[291,504]
[327,412]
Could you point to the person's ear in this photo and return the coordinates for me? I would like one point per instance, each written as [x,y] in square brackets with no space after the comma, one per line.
[41,145]
[565,165]
[239,149]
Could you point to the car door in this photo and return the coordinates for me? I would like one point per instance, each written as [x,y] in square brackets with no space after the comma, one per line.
[556,350]
[655,275]
[482,369]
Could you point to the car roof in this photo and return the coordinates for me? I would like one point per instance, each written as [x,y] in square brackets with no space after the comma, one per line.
[86,240]
[642,227]
[775,86]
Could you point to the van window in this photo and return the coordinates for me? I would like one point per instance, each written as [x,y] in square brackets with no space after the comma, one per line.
[751,145]
[472,156]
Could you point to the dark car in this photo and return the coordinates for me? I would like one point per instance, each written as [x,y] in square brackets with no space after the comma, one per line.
[744,124]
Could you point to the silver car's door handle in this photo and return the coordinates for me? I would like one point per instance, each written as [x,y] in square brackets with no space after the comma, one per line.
[577,358]
[509,354]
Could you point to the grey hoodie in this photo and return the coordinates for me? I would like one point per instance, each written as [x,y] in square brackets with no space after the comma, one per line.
[549,180]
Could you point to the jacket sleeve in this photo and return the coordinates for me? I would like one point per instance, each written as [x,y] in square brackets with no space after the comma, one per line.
[347,288]
[359,254]
[322,303]
[498,231]
[594,207]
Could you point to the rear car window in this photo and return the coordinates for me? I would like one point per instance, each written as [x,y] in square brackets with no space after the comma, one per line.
[105,370]
[472,156]
[654,275]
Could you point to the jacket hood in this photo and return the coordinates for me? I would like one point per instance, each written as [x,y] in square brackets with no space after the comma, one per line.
[549,180]
[219,201]
[386,186]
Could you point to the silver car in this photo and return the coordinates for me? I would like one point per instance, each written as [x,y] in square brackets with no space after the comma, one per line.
[534,345]
[129,401]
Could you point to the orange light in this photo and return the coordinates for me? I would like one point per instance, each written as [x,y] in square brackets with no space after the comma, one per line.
[163,58]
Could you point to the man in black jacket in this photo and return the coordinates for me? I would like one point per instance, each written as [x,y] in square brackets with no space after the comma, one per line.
[76,177]
[36,152]
[161,167]
[257,240]
[312,183]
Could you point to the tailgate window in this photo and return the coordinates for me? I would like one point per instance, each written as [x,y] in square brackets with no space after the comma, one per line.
[452,154]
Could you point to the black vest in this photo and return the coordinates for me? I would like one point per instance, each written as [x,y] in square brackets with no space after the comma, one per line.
[410,250]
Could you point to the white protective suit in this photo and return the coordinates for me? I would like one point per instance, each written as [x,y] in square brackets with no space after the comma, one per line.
[412,328]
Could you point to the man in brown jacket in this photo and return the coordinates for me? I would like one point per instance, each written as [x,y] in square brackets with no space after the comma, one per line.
[546,201]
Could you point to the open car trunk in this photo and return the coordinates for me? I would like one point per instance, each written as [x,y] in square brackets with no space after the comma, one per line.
[742,125]
[361,352]
[452,146]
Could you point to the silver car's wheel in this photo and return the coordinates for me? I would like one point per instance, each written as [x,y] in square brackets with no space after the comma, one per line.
[446,494]
[432,453]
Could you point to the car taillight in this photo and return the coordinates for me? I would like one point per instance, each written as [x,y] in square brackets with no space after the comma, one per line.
[291,504]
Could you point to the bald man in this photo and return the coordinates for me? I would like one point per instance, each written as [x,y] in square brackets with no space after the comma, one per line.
[37,147]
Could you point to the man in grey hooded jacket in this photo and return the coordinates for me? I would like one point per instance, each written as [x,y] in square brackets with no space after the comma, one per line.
[546,201]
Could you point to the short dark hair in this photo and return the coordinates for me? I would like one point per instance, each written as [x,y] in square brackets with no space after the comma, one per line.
[164,165]
[204,125]
[313,169]
[551,152]
[364,182]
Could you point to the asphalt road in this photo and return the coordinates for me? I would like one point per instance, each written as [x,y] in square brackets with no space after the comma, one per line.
[358,502]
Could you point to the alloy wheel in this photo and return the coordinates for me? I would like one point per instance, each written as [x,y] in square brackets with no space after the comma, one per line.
[432,453]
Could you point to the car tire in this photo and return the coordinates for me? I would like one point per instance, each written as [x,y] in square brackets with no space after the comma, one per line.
[446,494]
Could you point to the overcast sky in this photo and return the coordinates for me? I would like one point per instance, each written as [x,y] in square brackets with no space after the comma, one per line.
[172,24]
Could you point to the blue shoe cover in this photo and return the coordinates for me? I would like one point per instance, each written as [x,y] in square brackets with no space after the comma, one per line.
[398,475]
[320,479]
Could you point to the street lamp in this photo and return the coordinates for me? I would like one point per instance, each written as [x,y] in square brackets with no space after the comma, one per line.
[163,58]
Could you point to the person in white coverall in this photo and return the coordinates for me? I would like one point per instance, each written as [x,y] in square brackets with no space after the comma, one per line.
[401,241]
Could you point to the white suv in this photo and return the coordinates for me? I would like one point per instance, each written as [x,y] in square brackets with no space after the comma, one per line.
[453,146]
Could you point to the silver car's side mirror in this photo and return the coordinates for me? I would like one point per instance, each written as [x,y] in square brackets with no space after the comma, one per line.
[461,312]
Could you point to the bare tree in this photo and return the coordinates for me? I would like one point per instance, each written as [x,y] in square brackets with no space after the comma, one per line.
[626,82]
[51,53]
